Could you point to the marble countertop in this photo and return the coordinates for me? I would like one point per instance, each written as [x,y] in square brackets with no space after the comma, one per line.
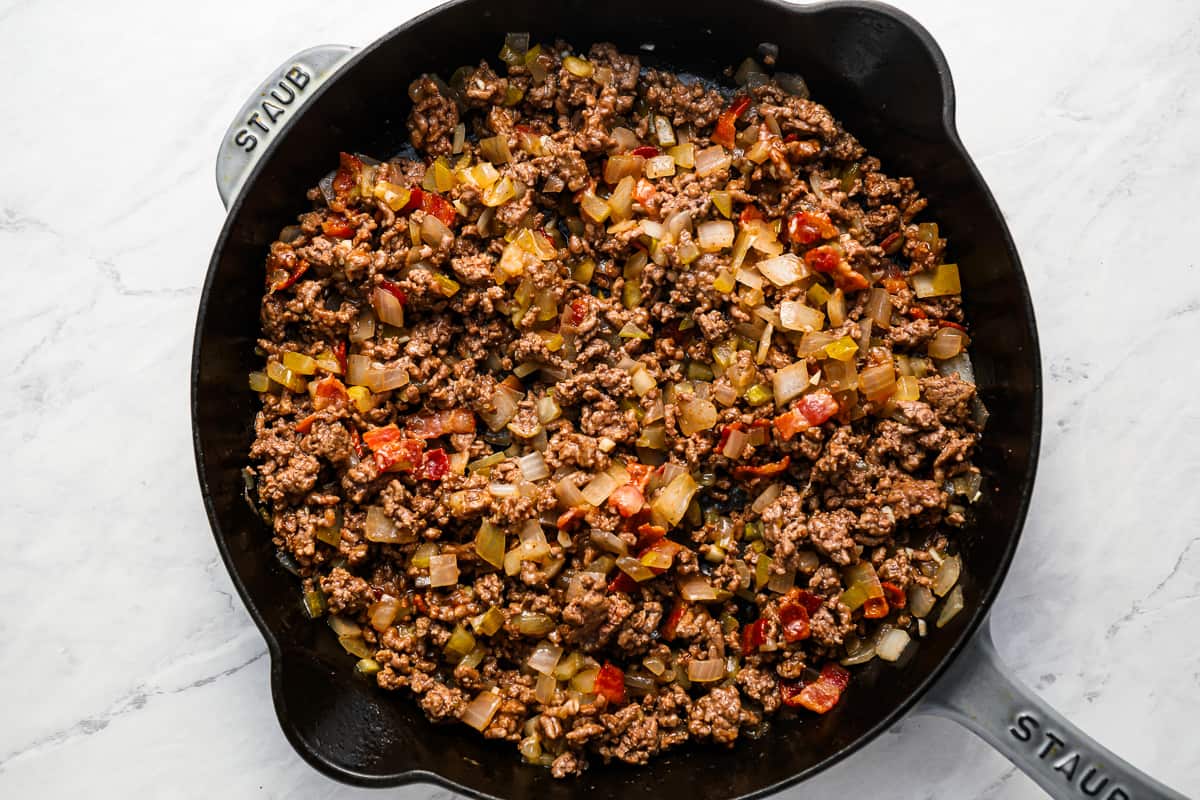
[130,667]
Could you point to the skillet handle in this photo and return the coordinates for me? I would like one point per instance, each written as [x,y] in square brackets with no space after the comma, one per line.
[979,692]
[271,107]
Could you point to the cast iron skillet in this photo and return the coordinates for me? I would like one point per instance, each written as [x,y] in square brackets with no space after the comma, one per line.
[885,78]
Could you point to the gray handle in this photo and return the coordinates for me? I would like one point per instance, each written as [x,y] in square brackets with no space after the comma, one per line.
[979,693]
[269,109]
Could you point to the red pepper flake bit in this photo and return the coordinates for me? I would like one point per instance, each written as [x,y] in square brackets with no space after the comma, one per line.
[645,151]
[672,624]
[894,594]
[875,608]
[338,227]
[440,207]
[394,290]
[753,636]
[820,695]
[725,130]
[762,470]
[328,392]
[623,583]
[305,425]
[339,353]
[435,465]
[610,684]
[793,619]
[808,227]
[627,500]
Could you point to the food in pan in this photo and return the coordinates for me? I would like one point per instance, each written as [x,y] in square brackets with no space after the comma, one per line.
[620,409]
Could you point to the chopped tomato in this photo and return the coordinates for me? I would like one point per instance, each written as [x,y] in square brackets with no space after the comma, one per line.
[894,594]
[394,290]
[945,323]
[610,683]
[643,191]
[748,213]
[807,599]
[916,312]
[818,406]
[338,227]
[639,474]
[568,519]
[434,466]
[339,352]
[807,227]
[416,199]
[432,424]
[753,636]
[672,623]
[648,534]
[347,177]
[439,207]
[790,423]
[328,392]
[291,279]
[356,440]
[820,695]
[822,259]
[622,583]
[627,500]
[378,437]
[305,425]
[393,453]
[762,470]
[725,130]
[645,151]
[577,312]
[793,619]
[875,608]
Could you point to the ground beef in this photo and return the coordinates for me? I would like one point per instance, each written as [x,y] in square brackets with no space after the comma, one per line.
[510,406]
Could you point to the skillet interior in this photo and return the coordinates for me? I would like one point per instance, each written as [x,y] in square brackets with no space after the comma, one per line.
[886,80]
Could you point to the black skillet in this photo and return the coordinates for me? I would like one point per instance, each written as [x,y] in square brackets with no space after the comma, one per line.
[885,78]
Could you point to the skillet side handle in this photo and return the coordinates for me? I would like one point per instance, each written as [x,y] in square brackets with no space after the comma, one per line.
[269,109]
[979,693]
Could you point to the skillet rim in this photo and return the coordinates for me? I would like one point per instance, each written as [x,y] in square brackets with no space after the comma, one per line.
[995,580]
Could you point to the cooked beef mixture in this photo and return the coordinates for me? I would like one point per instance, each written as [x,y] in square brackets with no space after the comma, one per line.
[622,410]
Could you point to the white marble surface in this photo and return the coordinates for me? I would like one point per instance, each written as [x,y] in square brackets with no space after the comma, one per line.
[128,666]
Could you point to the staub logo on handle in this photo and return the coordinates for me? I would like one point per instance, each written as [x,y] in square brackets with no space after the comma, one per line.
[267,113]
[1066,761]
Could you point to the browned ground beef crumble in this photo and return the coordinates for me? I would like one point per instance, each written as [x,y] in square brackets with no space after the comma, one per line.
[632,344]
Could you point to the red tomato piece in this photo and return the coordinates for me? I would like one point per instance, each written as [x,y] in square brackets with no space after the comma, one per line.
[793,619]
[338,227]
[623,583]
[645,151]
[291,279]
[875,608]
[627,500]
[577,311]
[672,623]
[610,683]
[753,636]
[762,470]
[305,425]
[568,519]
[416,198]
[822,259]
[807,227]
[440,207]
[817,407]
[725,130]
[894,594]
[810,601]
[328,392]
[394,290]
[748,213]
[435,465]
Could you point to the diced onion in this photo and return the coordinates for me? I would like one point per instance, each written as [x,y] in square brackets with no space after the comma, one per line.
[814,342]
[504,405]
[533,466]
[877,382]
[862,584]
[568,493]
[694,414]
[599,488]
[642,381]
[388,307]
[706,670]
[623,139]
[790,382]
[684,154]
[710,160]
[530,623]
[768,496]
[384,612]
[735,444]
[495,149]
[545,658]
[344,627]
[696,589]
[609,541]
[947,343]
[920,600]
[621,199]
[534,546]
[960,365]
[715,234]
[443,570]
[617,167]
[479,712]
[584,681]
[783,270]
[953,605]
[498,489]
[461,643]
[782,583]
[946,576]
[749,277]
[879,307]
[942,280]
[544,689]
[672,502]
[660,167]
[858,651]
[891,643]
[379,527]
[634,568]
[489,544]
[796,316]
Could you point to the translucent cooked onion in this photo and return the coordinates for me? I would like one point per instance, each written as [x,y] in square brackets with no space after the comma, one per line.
[344,627]
[489,544]
[386,378]
[388,307]
[568,493]
[711,160]
[836,306]
[634,568]
[946,576]
[584,681]
[879,307]
[570,665]
[942,280]
[533,466]
[789,382]
[735,444]
[696,589]
[530,623]
[877,382]
[495,149]
[714,234]
[599,488]
[706,670]
[479,712]
[434,232]
[621,199]
[544,689]
[814,343]
[862,584]
[607,540]
[782,583]
[858,651]
[504,407]
[953,605]
[639,684]
[595,208]
[890,643]
[672,502]
[796,316]
[497,489]
[461,643]
[642,381]
[443,570]
[534,546]
[947,343]
[617,167]
[545,658]
[384,612]
[920,600]
[768,496]
[623,139]
[783,270]
[749,277]
[379,527]
[660,167]
[694,414]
